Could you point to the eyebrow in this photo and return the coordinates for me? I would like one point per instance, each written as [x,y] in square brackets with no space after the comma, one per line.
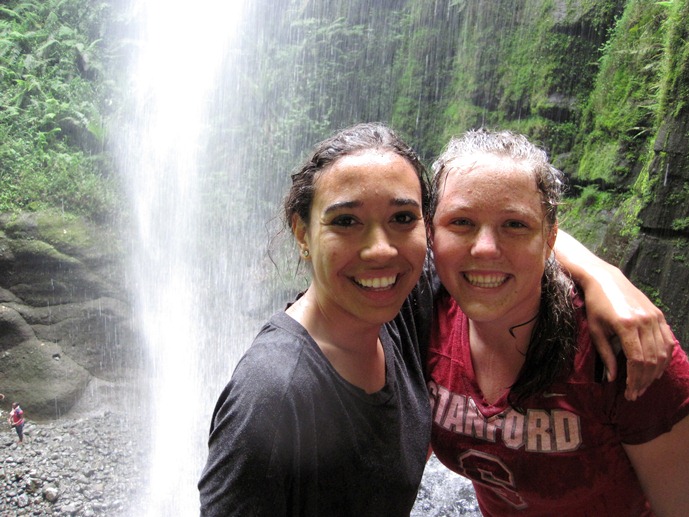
[463,209]
[343,205]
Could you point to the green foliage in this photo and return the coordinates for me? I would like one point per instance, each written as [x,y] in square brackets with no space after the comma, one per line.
[423,65]
[679,253]
[681,224]
[52,97]
[674,93]
[653,294]
[619,119]
[679,196]
[603,164]
[569,74]
[526,65]
[640,194]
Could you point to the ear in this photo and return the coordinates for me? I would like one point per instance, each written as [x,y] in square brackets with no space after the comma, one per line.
[299,229]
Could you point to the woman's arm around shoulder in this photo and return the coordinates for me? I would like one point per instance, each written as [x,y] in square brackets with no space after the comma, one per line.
[616,309]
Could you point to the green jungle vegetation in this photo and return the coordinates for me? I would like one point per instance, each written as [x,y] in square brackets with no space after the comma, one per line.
[54,96]
[590,80]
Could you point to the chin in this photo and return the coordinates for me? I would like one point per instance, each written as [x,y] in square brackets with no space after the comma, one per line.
[480,313]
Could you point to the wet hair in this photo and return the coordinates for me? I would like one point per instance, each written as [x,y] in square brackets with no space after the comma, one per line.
[553,344]
[504,144]
[360,137]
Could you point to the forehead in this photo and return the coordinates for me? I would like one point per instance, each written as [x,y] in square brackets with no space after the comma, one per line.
[493,180]
[371,172]
[490,172]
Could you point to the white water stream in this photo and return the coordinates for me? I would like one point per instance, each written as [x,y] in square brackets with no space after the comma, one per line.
[194,286]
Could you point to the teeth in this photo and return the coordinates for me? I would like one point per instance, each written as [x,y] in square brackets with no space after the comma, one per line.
[494,280]
[377,283]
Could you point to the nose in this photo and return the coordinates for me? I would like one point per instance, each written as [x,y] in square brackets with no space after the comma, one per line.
[377,245]
[485,243]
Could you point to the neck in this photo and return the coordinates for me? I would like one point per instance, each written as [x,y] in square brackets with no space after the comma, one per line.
[497,356]
[351,346]
[508,336]
[339,330]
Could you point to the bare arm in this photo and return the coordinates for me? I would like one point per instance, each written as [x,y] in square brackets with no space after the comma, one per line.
[617,309]
[661,466]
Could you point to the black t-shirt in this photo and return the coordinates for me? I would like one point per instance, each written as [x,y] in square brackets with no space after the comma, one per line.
[289,436]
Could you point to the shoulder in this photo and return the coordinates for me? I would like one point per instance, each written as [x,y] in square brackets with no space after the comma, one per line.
[449,318]
[664,403]
[254,404]
[282,365]
[272,359]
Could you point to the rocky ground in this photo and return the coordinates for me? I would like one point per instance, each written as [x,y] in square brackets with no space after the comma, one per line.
[88,467]
[444,494]
[89,463]
[84,466]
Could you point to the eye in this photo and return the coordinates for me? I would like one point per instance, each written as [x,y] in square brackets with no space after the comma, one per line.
[460,221]
[515,224]
[405,218]
[344,221]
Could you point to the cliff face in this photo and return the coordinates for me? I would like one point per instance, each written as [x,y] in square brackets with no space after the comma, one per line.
[658,258]
[64,318]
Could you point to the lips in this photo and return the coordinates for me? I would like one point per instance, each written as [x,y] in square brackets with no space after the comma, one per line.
[376,283]
[486,281]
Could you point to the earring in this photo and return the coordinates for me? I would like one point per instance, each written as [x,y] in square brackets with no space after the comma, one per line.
[305,253]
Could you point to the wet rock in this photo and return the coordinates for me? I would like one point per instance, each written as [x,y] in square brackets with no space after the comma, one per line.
[51,494]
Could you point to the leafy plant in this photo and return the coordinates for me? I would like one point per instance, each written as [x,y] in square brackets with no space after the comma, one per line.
[52,98]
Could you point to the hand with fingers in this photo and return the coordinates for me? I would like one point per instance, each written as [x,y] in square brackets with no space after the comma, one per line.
[622,313]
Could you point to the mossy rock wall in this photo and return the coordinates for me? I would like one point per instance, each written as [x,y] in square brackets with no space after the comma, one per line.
[64,313]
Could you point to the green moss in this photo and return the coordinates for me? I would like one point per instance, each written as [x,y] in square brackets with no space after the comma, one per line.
[600,161]
[654,295]
[680,248]
[39,250]
[619,119]
[526,65]
[64,231]
[587,214]
[674,92]
[681,224]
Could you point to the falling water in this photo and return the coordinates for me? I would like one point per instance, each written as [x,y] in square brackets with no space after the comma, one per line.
[195,268]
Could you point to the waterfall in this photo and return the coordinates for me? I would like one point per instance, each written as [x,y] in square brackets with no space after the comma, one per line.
[197,248]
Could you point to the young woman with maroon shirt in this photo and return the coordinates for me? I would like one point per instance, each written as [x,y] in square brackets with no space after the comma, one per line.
[520,401]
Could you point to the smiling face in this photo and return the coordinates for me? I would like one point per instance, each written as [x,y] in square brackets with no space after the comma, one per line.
[366,236]
[491,239]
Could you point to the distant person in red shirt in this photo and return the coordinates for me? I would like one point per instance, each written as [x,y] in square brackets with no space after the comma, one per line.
[16,420]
